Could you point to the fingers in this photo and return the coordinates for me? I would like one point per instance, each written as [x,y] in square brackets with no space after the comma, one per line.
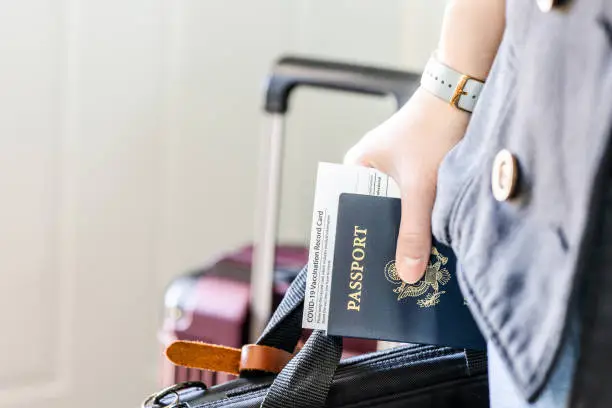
[416,176]
[368,152]
[358,155]
[414,239]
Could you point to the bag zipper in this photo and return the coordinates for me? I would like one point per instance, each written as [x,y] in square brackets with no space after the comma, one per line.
[353,366]
[403,350]
[404,355]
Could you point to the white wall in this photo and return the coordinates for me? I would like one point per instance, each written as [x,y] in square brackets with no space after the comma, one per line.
[221,126]
[129,133]
[396,34]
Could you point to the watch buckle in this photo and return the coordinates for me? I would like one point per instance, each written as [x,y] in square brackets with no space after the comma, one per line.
[459,91]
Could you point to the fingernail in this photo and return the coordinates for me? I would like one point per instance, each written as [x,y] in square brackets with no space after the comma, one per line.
[411,272]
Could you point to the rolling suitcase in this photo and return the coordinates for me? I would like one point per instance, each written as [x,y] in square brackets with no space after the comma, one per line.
[211,305]
[314,375]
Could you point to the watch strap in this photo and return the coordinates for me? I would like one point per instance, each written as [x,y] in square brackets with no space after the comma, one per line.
[460,90]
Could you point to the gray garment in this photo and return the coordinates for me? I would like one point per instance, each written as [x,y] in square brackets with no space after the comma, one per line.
[555,394]
[548,100]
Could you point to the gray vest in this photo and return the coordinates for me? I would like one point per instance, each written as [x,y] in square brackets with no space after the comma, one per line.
[548,100]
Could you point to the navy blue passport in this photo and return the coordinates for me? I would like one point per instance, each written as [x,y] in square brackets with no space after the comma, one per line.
[369,300]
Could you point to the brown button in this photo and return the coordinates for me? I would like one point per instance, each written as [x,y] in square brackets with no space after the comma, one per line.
[547,5]
[504,175]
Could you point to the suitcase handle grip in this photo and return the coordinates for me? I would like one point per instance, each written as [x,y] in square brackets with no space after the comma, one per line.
[290,72]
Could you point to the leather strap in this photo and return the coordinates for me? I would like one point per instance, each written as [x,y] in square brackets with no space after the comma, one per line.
[213,357]
[460,90]
[263,358]
[204,356]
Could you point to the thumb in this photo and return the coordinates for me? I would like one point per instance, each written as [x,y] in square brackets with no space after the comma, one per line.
[414,238]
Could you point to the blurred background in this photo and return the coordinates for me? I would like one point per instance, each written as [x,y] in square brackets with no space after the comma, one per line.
[129,140]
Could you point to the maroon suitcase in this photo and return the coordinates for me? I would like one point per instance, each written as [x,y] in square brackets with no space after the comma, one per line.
[229,301]
[212,305]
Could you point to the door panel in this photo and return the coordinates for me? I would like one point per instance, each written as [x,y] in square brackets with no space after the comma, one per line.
[127,132]
[33,316]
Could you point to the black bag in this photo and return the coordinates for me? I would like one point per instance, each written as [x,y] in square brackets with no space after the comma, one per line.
[407,376]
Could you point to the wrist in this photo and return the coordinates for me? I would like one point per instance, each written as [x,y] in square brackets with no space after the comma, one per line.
[436,107]
[451,86]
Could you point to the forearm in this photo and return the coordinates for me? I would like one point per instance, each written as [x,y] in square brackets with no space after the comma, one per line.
[410,145]
[471,33]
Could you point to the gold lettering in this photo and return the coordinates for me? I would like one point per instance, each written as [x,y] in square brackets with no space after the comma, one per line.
[358,254]
[351,305]
[356,276]
[357,269]
[359,231]
[359,242]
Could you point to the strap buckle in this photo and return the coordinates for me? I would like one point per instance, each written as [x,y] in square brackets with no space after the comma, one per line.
[156,399]
[460,91]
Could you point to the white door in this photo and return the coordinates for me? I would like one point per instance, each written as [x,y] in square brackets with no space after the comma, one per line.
[113,124]
[79,129]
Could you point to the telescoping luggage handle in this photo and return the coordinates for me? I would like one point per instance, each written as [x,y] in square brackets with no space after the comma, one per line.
[291,72]
[288,74]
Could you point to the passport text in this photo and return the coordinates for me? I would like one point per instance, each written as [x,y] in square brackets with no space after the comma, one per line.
[357,271]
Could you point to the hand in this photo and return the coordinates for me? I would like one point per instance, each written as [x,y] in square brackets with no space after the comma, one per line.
[409,147]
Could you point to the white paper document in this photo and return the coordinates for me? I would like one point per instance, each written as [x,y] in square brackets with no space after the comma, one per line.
[333,180]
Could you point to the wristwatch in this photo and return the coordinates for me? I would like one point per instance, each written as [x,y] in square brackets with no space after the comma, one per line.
[460,90]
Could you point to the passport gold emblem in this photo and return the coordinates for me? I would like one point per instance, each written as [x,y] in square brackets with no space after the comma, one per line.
[435,277]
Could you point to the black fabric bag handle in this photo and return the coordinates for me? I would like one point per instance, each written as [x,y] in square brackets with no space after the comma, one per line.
[305,381]
[284,329]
